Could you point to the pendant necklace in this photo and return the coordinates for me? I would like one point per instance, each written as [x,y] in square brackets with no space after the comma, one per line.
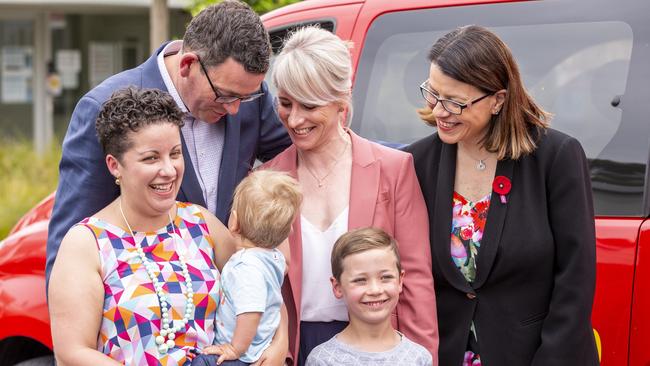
[331,169]
[480,163]
[169,327]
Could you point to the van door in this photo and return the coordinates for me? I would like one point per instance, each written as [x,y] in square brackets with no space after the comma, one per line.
[583,60]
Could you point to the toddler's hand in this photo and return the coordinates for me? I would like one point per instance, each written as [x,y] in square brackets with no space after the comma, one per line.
[226,351]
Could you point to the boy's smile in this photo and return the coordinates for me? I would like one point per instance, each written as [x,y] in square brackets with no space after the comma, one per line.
[370,285]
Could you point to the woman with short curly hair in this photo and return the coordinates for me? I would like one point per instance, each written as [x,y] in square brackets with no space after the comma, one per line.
[137,283]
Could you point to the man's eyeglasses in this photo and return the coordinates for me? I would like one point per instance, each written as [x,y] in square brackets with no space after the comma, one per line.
[449,105]
[226,99]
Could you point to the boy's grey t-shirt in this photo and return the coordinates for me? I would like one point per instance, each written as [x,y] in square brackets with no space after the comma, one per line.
[337,353]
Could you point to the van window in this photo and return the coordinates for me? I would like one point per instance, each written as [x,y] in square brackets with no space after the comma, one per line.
[577,68]
[281,34]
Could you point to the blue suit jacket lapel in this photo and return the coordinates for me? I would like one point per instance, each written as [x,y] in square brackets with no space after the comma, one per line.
[151,77]
[229,166]
[190,189]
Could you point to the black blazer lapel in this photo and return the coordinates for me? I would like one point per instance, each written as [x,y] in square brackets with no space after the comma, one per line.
[441,242]
[493,227]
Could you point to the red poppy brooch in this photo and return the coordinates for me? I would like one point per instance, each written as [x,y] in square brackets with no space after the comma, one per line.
[502,186]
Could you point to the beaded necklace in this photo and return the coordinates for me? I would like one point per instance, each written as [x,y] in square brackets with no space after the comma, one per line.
[170,327]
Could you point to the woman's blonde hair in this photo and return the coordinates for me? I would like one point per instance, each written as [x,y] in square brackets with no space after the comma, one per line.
[476,56]
[266,203]
[314,68]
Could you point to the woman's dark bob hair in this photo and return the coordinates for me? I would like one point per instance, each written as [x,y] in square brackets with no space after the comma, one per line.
[476,56]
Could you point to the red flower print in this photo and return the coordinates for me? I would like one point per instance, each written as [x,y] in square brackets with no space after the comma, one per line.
[479,215]
[502,186]
[466,233]
[481,206]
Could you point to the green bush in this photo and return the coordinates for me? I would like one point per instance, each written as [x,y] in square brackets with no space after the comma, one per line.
[26,178]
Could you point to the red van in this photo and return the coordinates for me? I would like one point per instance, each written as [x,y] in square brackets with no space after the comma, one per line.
[584,60]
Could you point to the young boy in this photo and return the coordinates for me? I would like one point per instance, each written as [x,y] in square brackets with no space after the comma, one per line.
[367,275]
[264,207]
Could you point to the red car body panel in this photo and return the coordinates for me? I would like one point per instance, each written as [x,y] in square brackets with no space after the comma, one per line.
[621,316]
[640,320]
[616,245]
[23,306]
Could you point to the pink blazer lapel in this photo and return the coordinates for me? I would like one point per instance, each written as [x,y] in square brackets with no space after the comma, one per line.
[287,162]
[364,189]
[364,185]
[295,268]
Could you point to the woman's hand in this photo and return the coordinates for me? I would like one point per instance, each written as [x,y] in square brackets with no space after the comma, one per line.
[274,355]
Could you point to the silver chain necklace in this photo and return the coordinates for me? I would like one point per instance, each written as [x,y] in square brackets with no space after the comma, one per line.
[331,169]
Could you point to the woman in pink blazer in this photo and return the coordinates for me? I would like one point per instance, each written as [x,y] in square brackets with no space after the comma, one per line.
[348,182]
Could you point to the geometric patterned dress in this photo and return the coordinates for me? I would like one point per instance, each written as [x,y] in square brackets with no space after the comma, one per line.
[131,314]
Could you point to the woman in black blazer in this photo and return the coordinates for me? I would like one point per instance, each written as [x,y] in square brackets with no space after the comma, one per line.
[510,212]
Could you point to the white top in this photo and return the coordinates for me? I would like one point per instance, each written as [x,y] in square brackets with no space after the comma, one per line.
[318,303]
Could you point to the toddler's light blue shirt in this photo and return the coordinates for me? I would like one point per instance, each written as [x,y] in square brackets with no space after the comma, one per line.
[251,281]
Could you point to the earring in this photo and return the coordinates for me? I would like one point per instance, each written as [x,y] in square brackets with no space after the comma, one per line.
[117,181]
[496,113]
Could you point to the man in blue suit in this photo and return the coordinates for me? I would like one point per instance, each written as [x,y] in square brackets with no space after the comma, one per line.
[215,75]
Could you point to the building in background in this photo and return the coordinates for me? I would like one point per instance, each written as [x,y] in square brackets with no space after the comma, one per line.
[54,51]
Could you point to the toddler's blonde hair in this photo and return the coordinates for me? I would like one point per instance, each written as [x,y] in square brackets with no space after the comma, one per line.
[266,203]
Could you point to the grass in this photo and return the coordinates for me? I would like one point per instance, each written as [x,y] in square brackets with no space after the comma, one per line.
[26,178]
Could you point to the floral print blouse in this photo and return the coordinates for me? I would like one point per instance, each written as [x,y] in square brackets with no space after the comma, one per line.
[468,224]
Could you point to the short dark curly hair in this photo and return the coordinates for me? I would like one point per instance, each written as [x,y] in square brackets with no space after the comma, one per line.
[128,110]
[230,28]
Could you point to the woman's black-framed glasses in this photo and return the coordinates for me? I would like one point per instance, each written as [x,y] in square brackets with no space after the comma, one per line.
[449,105]
[226,99]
